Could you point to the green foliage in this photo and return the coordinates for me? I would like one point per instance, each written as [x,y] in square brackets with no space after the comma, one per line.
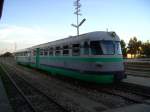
[123,48]
[134,46]
[146,49]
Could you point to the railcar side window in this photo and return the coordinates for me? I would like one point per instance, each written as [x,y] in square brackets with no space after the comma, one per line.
[28,53]
[66,50]
[95,48]
[18,54]
[22,53]
[34,52]
[86,48]
[76,49]
[51,51]
[41,52]
[45,51]
[58,51]
[25,53]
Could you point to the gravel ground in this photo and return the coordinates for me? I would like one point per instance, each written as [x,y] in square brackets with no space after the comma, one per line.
[70,96]
[58,94]
[17,102]
[73,97]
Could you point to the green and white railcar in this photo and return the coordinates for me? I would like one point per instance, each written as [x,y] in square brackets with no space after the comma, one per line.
[94,57]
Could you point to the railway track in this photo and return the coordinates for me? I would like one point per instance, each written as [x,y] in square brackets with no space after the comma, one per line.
[129,94]
[17,101]
[33,99]
[141,69]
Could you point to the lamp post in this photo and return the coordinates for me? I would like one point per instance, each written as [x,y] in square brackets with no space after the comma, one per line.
[77,13]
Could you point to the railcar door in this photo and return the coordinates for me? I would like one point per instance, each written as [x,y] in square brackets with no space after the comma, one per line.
[37,57]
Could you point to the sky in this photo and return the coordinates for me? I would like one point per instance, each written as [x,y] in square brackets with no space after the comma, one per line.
[26,23]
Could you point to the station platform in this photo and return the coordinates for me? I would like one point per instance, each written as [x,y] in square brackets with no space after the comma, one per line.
[141,81]
[4,103]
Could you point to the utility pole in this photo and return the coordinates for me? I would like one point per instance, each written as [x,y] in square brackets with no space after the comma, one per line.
[77,13]
[15,47]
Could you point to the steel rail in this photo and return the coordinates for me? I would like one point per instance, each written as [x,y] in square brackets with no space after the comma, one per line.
[116,94]
[125,87]
[19,90]
[45,95]
[136,91]
[122,96]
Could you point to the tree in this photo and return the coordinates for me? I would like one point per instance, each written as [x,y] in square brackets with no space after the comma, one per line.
[134,46]
[123,48]
[131,47]
[138,47]
[146,48]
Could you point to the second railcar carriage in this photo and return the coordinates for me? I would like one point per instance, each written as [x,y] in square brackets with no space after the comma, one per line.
[94,57]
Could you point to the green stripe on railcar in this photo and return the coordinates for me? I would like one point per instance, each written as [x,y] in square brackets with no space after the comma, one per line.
[81,59]
[96,78]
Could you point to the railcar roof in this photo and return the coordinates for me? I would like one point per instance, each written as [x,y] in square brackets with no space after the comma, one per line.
[22,50]
[97,35]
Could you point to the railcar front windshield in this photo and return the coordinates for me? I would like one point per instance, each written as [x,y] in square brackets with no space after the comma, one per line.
[118,48]
[108,47]
[111,47]
[105,47]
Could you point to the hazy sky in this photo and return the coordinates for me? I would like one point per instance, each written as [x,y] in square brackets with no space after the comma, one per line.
[31,22]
